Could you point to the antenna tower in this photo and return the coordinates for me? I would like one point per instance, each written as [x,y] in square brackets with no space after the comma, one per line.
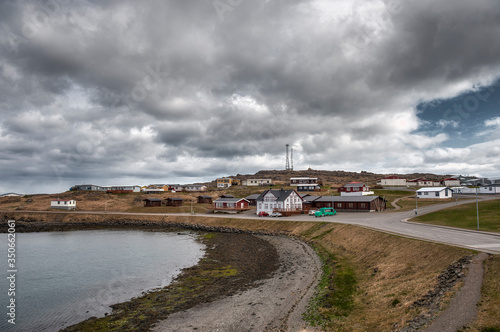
[287,164]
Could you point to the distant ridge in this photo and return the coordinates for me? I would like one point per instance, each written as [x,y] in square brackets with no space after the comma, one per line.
[333,177]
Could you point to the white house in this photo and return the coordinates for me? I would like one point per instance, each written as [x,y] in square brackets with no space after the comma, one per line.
[195,187]
[281,200]
[489,189]
[63,204]
[435,192]
[355,189]
[258,182]
[392,180]
[450,182]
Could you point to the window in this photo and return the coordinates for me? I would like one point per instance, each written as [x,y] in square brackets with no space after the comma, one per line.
[437,194]
[363,205]
[426,193]
[351,205]
[339,205]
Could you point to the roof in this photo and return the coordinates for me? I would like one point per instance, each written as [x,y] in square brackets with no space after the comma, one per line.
[347,198]
[254,196]
[354,184]
[226,196]
[432,189]
[174,199]
[153,199]
[230,200]
[195,185]
[62,200]
[450,179]
[280,194]
[310,198]
[204,196]
[303,178]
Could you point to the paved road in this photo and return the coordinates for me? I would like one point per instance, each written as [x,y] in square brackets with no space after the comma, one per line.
[389,222]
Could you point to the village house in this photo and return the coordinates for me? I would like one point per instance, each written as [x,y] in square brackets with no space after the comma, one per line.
[155,189]
[63,204]
[305,183]
[422,182]
[173,201]
[195,187]
[258,182]
[230,205]
[175,187]
[152,202]
[355,189]
[122,189]
[352,203]
[279,201]
[308,202]
[392,180]
[450,182]
[227,182]
[490,189]
[203,199]
[87,187]
[436,192]
[252,199]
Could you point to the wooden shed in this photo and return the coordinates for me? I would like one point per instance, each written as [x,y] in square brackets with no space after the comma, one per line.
[151,202]
[203,199]
[173,201]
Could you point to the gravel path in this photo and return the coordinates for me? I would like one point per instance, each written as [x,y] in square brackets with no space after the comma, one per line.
[463,307]
[276,304]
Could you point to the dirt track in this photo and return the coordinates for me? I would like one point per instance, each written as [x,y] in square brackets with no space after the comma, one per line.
[276,304]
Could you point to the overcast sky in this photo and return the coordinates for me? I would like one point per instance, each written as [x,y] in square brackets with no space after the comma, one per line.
[140,92]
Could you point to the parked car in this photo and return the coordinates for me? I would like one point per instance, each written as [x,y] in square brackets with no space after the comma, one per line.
[312,212]
[263,214]
[276,214]
[325,212]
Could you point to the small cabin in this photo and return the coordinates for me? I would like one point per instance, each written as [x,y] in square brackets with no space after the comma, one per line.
[152,202]
[203,199]
[173,201]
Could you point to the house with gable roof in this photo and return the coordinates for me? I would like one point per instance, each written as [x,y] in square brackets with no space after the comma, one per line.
[279,201]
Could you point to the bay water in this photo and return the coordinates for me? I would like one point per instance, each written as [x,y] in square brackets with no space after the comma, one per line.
[65,277]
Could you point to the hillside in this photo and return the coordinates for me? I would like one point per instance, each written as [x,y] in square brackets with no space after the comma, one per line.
[335,178]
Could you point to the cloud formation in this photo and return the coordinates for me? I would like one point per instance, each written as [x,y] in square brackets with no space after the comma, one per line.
[114,91]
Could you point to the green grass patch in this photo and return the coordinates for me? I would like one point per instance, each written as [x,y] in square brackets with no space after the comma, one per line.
[464,216]
[334,297]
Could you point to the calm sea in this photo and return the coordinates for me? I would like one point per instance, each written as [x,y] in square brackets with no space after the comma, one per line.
[65,277]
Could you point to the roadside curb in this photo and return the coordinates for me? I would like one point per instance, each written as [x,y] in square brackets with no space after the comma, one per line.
[405,220]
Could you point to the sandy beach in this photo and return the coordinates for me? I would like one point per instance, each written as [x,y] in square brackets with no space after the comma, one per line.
[276,304]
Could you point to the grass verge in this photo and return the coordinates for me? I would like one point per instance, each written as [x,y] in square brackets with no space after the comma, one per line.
[464,216]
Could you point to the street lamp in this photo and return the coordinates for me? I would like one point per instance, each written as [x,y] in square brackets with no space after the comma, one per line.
[477,209]
[416,202]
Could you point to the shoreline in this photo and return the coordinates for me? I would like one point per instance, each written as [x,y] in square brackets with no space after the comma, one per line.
[237,265]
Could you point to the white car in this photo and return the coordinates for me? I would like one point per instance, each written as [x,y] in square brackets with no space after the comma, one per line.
[276,214]
[312,212]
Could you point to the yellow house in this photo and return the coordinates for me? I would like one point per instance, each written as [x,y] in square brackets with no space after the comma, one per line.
[227,182]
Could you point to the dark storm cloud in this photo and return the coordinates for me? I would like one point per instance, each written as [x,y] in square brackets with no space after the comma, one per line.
[121,89]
